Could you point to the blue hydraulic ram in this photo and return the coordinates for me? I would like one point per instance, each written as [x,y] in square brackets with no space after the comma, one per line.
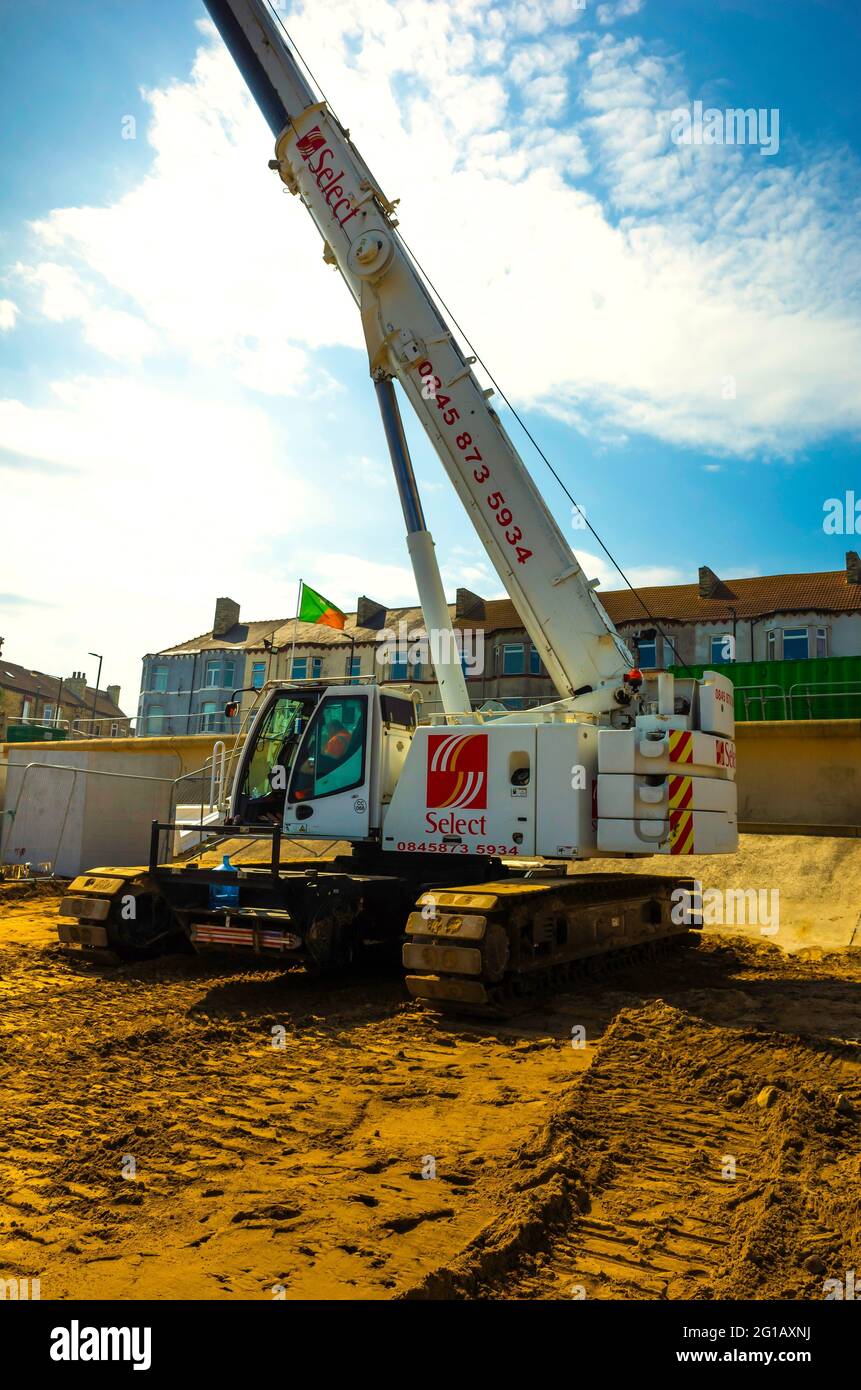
[247,50]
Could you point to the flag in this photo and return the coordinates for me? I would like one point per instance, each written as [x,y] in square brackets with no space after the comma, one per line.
[314,608]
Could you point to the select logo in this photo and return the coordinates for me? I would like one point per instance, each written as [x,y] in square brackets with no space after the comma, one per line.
[457,771]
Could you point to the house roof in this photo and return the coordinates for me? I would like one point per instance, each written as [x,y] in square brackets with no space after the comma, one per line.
[823,592]
[826,591]
[44,687]
[500,613]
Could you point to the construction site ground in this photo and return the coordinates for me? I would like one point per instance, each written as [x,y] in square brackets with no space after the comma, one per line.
[191,1129]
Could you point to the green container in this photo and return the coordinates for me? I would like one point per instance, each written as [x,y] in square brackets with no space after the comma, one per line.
[33,733]
[822,688]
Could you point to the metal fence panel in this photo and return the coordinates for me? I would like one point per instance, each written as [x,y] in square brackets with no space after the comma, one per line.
[821,688]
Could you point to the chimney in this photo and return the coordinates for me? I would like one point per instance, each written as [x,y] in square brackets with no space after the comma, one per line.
[76,683]
[469,605]
[711,586]
[853,567]
[114,695]
[370,614]
[226,616]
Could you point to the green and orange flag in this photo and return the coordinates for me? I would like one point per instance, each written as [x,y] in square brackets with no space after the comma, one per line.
[314,608]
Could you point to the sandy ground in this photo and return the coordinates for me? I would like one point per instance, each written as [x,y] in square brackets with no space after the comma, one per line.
[704,1142]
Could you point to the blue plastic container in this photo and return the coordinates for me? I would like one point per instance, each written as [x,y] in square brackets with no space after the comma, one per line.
[223,895]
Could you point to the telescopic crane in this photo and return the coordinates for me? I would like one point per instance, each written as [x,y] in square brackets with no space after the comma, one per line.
[619,765]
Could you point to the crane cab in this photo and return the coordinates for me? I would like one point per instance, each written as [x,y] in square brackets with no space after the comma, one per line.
[324,760]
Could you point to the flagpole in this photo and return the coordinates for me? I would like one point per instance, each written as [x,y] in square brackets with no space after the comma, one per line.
[295,626]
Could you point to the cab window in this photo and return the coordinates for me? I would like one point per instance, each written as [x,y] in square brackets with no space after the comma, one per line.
[274,733]
[332,756]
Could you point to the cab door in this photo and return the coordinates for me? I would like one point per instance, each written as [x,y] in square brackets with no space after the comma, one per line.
[328,796]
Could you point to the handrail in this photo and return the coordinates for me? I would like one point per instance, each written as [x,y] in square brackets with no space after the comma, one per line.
[215,764]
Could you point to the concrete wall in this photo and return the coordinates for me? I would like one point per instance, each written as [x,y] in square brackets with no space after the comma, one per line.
[183,755]
[92,809]
[800,774]
[59,807]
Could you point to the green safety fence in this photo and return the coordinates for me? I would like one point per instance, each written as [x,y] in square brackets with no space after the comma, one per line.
[822,688]
[34,733]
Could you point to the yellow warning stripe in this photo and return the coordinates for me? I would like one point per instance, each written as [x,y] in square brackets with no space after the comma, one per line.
[680,792]
[681,832]
[681,746]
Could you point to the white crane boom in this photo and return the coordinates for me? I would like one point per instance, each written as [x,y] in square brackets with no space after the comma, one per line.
[408,338]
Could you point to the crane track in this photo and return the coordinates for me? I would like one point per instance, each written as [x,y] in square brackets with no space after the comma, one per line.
[488,951]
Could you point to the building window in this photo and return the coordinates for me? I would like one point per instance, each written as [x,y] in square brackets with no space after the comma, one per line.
[158,680]
[25,710]
[398,670]
[258,674]
[513,659]
[721,648]
[822,641]
[211,675]
[47,713]
[209,716]
[155,720]
[795,644]
[534,662]
[354,667]
[316,667]
[229,675]
[115,728]
[647,652]
[771,645]
[300,668]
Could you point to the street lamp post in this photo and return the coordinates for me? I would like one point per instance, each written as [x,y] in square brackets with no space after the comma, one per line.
[96,695]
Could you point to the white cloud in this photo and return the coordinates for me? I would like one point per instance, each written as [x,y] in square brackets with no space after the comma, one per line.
[64,296]
[8,315]
[343,577]
[159,505]
[640,576]
[702,265]
[622,9]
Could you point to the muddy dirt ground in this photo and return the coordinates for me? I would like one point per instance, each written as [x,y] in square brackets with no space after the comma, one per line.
[160,1140]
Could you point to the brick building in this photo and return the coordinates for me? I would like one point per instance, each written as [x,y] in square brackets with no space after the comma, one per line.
[64,702]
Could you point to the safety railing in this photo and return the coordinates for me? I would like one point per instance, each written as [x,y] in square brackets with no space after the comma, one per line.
[761,702]
[802,700]
[846,696]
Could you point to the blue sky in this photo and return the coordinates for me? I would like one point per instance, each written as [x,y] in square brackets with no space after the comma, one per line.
[185,409]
